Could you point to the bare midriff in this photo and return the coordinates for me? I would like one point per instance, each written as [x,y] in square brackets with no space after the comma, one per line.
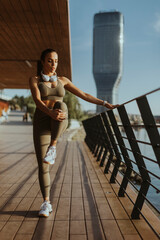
[50,103]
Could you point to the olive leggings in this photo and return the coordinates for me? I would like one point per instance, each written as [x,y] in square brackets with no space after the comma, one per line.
[44,129]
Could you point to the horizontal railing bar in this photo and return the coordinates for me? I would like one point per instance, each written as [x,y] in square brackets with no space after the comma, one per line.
[149,159]
[126,156]
[133,185]
[129,159]
[158,190]
[139,125]
[155,90]
[147,143]
[126,178]
[138,175]
[146,199]
[139,141]
[151,173]
[141,155]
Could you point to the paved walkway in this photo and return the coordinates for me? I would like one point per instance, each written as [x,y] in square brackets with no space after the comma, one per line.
[85,204]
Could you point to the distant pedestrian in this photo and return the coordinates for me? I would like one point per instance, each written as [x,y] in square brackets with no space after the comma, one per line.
[25,117]
[5,115]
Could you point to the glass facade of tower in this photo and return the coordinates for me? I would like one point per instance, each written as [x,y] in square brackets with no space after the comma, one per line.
[107,55]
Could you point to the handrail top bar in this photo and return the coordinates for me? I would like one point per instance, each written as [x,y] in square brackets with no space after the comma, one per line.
[157,89]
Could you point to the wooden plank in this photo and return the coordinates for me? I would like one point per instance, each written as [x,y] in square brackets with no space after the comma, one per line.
[21,210]
[55,190]
[34,210]
[132,237]
[33,191]
[94,229]
[60,230]
[20,236]
[66,190]
[63,211]
[4,187]
[144,230]
[9,230]
[43,230]
[26,187]
[77,209]
[127,227]
[98,191]
[77,227]
[111,230]
[76,190]
[2,223]
[78,237]
[90,209]
[104,209]
[27,227]
[8,209]
[3,201]
[108,190]
[117,209]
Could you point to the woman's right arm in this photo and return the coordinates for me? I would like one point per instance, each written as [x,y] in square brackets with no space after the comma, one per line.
[56,114]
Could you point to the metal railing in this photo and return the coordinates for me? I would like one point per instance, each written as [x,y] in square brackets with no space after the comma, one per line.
[111,136]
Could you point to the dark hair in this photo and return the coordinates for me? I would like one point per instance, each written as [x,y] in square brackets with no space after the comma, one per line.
[45,52]
[43,55]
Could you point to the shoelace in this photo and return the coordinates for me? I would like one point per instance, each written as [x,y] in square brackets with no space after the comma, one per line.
[44,206]
[50,151]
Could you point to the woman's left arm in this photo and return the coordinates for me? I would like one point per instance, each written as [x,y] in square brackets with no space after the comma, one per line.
[68,85]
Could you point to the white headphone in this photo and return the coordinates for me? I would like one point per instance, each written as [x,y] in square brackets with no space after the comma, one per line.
[47,78]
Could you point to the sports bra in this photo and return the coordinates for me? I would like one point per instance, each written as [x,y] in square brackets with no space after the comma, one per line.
[54,93]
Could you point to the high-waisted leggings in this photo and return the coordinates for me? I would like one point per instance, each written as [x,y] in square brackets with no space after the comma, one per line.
[44,129]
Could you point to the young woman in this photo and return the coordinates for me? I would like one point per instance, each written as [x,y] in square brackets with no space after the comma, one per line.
[50,118]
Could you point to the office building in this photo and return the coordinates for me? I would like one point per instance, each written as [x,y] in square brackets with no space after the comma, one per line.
[107,55]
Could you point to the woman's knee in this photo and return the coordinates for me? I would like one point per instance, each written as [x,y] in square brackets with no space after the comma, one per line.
[60,105]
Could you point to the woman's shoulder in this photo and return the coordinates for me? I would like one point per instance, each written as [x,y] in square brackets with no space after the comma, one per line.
[34,79]
[63,79]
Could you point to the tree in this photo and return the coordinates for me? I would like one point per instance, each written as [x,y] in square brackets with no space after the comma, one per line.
[72,102]
[74,107]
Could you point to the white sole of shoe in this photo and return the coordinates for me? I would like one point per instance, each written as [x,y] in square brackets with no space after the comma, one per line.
[49,163]
[43,215]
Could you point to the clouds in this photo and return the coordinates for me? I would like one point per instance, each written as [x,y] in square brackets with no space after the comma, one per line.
[157,23]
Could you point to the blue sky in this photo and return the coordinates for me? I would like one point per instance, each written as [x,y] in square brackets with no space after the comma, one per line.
[141,61]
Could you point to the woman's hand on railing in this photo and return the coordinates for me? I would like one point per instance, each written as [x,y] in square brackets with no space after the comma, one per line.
[110,106]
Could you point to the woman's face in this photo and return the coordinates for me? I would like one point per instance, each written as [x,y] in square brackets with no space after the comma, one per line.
[50,63]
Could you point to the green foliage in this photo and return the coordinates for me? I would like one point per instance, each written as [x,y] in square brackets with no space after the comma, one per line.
[21,101]
[74,107]
[72,102]
[31,107]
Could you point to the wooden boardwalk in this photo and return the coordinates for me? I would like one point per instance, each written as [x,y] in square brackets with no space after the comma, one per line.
[85,204]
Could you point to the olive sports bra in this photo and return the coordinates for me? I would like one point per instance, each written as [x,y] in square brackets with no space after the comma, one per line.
[55,93]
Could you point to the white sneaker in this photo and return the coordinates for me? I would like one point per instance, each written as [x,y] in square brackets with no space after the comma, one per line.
[50,155]
[45,209]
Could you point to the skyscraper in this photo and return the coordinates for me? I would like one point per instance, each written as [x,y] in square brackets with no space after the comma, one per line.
[107,55]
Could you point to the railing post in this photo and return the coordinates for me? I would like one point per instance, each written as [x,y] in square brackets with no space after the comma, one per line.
[150,125]
[139,160]
[100,142]
[112,140]
[106,144]
[98,137]
[124,153]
